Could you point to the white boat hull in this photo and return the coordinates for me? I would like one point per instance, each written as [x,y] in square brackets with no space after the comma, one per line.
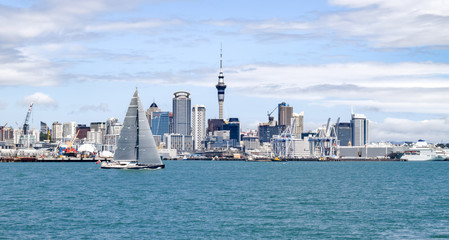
[128,165]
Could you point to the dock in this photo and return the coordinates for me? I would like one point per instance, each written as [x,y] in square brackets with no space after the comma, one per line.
[47,159]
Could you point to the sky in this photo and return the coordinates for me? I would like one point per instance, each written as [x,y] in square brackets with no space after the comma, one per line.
[82,60]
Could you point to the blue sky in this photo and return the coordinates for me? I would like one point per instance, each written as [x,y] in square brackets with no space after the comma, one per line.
[81,60]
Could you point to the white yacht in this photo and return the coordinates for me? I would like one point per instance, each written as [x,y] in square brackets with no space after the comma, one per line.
[421,151]
[136,148]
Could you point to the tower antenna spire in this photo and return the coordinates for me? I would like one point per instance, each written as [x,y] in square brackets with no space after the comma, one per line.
[221,57]
[221,86]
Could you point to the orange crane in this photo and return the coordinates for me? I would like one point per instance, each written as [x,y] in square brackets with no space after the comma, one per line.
[70,151]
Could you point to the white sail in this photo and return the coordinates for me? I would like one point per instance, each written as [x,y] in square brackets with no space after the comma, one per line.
[136,143]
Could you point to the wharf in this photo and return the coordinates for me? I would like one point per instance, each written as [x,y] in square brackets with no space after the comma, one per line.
[306,159]
[46,159]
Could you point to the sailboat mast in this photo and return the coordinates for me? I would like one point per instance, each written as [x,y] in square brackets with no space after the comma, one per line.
[137,139]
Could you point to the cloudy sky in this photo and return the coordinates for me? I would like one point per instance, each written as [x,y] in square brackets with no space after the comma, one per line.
[81,60]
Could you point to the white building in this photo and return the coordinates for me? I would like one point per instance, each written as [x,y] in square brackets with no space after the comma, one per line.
[179,142]
[298,128]
[360,130]
[198,126]
[69,130]
[56,133]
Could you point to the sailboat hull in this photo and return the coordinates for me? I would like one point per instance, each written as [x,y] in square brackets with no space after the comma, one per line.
[129,165]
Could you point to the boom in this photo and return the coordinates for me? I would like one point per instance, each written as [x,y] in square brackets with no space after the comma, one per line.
[25,125]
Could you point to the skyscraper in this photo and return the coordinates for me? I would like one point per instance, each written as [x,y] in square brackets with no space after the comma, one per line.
[299,124]
[344,131]
[56,133]
[285,113]
[160,124]
[149,113]
[233,125]
[360,130]
[221,87]
[69,129]
[198,125]
[181,113]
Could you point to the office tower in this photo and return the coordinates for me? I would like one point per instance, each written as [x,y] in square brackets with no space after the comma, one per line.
[160,124]
[285,113]
[82,130]
[181,113]
[69,130]
[56,133]
[298,128]
[221,86]
[344,134]
[198,126]
[266,132]
[360,130]
[110,125]
[44,128]
[233,125]
[214,125]
[149,113]
[171,120]
[98,127]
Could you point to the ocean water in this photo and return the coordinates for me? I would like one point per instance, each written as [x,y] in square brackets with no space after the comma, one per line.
[226,200]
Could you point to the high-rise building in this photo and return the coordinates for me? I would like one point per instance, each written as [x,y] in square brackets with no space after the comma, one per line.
[149,113]
[56,132]
[221,86]
[214,125]
[360,130]
[110,125]
[233,125]
[44,128]
[344,133]
[182,113]
[298,128]
[285,113]
[198,126]
[98,127]
[160,124]
[82,130]
[69,129]
[266,132]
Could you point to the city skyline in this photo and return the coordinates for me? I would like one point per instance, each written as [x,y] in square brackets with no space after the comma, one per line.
[81,61]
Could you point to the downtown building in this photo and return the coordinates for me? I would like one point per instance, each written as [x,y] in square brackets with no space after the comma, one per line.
[198,126]
[160,124]
[182,113]
[360,130]
[56,132]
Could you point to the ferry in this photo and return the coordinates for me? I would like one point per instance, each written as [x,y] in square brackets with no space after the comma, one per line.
[421,151]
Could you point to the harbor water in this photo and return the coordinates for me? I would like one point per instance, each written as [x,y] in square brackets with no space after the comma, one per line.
[226,200]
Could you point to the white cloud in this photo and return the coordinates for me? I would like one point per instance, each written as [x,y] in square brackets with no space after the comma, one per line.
[393,23]
[120,26]
[396,129]
[20,67]
[401,87]
[40,99]
[101,107]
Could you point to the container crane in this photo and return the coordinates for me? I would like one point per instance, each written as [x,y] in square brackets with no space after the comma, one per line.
[25,125]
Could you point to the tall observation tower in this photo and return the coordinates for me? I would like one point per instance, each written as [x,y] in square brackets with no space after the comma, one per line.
[221,86]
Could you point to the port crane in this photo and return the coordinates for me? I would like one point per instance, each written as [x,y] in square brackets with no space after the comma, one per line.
[70,151]
[26,125]
[270,118]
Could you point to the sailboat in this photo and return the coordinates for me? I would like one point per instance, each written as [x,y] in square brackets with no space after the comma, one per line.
[136,148]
